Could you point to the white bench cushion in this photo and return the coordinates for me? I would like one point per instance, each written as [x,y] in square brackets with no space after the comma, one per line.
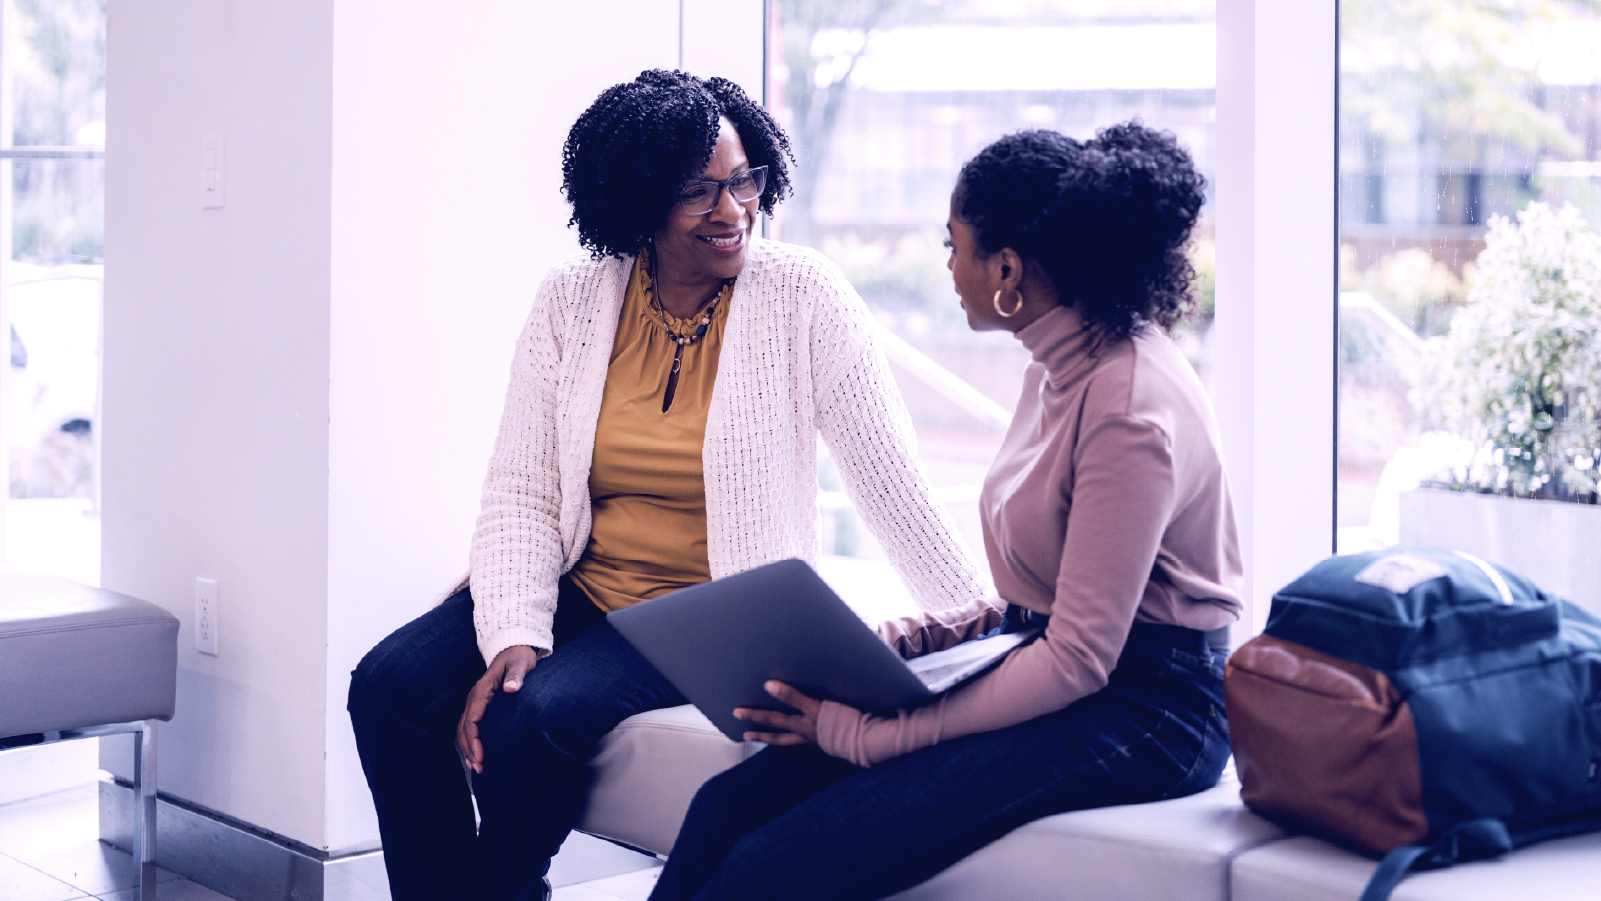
[1309,869]
[648,770]
[74,656]
[1159,851]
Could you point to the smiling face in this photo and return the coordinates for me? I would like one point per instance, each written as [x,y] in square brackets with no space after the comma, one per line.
[710,246]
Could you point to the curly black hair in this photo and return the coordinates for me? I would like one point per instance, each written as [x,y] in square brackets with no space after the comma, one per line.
[1108,218]
[629,154]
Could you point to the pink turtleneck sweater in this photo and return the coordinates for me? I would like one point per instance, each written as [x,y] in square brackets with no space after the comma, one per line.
[1105,506]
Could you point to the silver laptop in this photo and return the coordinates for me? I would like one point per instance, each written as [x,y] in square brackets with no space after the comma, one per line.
[719,641]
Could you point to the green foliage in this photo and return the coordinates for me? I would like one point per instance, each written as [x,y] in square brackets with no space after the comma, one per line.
[1420,290]
[1463,65]
[1519,374]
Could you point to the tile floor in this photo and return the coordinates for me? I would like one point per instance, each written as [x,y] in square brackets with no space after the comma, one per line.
[50,851]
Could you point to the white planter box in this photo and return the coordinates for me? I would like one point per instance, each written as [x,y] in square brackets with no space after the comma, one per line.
[1557,545]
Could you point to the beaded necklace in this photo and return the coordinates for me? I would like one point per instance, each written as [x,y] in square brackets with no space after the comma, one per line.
[682,340]
[701,324]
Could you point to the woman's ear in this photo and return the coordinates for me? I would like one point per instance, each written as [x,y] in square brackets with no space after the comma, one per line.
[1011,268]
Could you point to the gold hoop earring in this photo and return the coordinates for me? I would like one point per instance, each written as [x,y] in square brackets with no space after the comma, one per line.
[1015,310]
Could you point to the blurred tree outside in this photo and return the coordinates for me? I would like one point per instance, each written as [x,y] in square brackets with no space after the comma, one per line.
[1466,68]
[816,78]
[57,56]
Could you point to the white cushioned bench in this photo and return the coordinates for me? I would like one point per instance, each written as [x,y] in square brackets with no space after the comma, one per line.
[1309,869]
[1142,852]
[80,662]
[1200,848]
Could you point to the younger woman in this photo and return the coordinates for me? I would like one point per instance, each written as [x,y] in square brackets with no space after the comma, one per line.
[1107,521]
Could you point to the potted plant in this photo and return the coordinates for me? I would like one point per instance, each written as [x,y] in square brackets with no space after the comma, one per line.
[1517,380]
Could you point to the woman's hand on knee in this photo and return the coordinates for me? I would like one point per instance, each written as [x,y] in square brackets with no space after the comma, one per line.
[800,728]
[506,673]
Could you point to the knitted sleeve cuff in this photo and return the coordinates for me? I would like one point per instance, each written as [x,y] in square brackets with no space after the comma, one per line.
[491,645]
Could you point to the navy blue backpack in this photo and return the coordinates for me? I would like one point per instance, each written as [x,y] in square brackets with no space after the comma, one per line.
[1422,705]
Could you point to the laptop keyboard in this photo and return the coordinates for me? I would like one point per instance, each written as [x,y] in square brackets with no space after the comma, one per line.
[931,676]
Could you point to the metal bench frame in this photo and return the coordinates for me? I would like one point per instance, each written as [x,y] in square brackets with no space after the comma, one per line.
[144,786]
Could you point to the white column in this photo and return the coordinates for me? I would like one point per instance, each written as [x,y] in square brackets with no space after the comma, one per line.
[448,124]
[1276,258]
[303,386]
[215,449]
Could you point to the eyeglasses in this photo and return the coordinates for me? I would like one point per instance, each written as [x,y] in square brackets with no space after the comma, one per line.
[701,197]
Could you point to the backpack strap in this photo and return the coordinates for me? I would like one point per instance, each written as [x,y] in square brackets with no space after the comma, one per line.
[1470,840]
[1391,869]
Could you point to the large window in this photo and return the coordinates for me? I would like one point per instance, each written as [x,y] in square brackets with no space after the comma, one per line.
[52,188]
[1470,189]
[885,99]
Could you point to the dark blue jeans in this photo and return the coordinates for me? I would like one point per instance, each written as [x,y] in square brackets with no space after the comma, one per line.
[406,697]
[796,823]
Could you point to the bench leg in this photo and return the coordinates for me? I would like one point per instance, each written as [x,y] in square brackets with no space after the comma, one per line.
[144,826]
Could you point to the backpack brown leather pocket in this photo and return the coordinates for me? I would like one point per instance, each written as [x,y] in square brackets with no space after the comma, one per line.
[1322,740]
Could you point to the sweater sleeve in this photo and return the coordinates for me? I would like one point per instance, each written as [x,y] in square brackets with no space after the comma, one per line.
[868,431]
[1122,501]
[939,630]
[516,551]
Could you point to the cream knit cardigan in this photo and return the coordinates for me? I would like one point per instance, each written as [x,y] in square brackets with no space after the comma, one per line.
[798,359]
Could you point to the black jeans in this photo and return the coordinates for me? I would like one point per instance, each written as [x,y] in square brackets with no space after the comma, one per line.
[794,823]
[406,697]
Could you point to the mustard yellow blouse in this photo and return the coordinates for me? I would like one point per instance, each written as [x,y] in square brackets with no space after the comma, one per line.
[646,484]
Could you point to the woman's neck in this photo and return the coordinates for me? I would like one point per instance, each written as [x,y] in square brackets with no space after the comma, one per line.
[682,298]
[1039,297]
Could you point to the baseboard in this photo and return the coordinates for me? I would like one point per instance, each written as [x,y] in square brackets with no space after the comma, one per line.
[239,861]
[249,864]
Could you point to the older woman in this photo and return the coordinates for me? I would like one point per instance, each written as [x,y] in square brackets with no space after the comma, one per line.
[1107,521]
[660,429]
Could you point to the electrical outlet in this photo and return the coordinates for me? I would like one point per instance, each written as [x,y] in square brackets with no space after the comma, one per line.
[206,616]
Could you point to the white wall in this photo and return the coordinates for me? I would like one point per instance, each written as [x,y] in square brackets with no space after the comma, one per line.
[216,383]
[723,38]
[1274,356]
[302,388]
[448,127]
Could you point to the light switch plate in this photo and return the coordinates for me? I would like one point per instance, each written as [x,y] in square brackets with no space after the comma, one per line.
[211,181]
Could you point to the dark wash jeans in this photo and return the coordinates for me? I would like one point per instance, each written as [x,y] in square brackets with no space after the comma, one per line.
[794,823]
[406,697]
